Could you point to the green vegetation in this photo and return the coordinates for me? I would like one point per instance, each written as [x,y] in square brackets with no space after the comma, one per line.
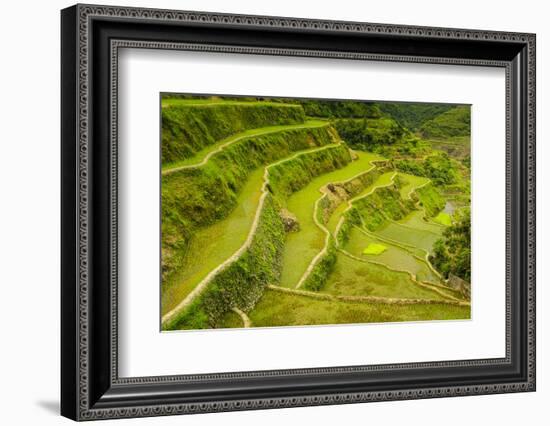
[430,199]
[369,134]
[336,109]
[276,309]
[394,255]
[259,266]
[452,253]
[375,249]
[443,218]
[412,115]
[310,239]
[203,155]
[438,167]
[187,128]
[194,198]
[454,122]
[298,211]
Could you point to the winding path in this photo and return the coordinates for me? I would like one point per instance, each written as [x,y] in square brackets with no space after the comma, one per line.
[218,147]
[324,229]
[246,321]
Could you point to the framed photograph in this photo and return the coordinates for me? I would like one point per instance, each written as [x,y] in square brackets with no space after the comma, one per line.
[263,212]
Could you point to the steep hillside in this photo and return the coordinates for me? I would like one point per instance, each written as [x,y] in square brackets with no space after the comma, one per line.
[455,122]
[188,127]
[412,115]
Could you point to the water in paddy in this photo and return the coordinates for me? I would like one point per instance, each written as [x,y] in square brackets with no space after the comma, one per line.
[395,257]
[302,246]
[449,208]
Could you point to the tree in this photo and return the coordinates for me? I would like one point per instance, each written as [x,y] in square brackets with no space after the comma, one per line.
[452,253]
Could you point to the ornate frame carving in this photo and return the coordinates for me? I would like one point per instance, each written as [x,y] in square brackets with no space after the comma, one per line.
[85,396]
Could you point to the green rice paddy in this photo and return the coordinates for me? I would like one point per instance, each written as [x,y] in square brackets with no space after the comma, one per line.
[443,218]
[302,246]
[276,309]
[375,249]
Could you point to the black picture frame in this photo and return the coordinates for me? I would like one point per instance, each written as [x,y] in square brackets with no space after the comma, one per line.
[90,38]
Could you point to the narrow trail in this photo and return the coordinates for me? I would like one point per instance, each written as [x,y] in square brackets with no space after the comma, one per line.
[310,239]
[249,134]
[350,202]
[246,320]
[201,286]
[323,228]
[365,299]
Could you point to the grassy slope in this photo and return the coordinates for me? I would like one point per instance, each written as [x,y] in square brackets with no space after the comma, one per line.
[199,156]
[196,197]
[276,309]
[415,220]
[171,102]
[455,122]
[301,247]
[412,115]
[187,128]
[216,243]
[411,183]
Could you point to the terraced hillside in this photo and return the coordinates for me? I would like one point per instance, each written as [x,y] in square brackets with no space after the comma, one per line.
[270,218]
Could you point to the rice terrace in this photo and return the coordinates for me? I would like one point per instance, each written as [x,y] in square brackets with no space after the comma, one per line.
[288,211]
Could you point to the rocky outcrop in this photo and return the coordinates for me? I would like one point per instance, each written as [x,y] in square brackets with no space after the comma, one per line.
[290,221]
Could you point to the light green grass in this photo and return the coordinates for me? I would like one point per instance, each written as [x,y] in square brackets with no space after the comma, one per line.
[302,246]
[352,277]
[416,220]
[375,249]
[409,235]
[411,183]
[443,218]
[276,309]
[214,244]
[248,134]
[393,256]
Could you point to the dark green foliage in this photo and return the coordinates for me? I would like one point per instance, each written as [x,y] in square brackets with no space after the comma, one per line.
[322,270]
[292,175]
[351,218]
[455,122]
[186,129]
[439,167]
[200,196]
[368,134]
[430,199]
[339,109]
[452,254]
[412,115]
[243,282]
